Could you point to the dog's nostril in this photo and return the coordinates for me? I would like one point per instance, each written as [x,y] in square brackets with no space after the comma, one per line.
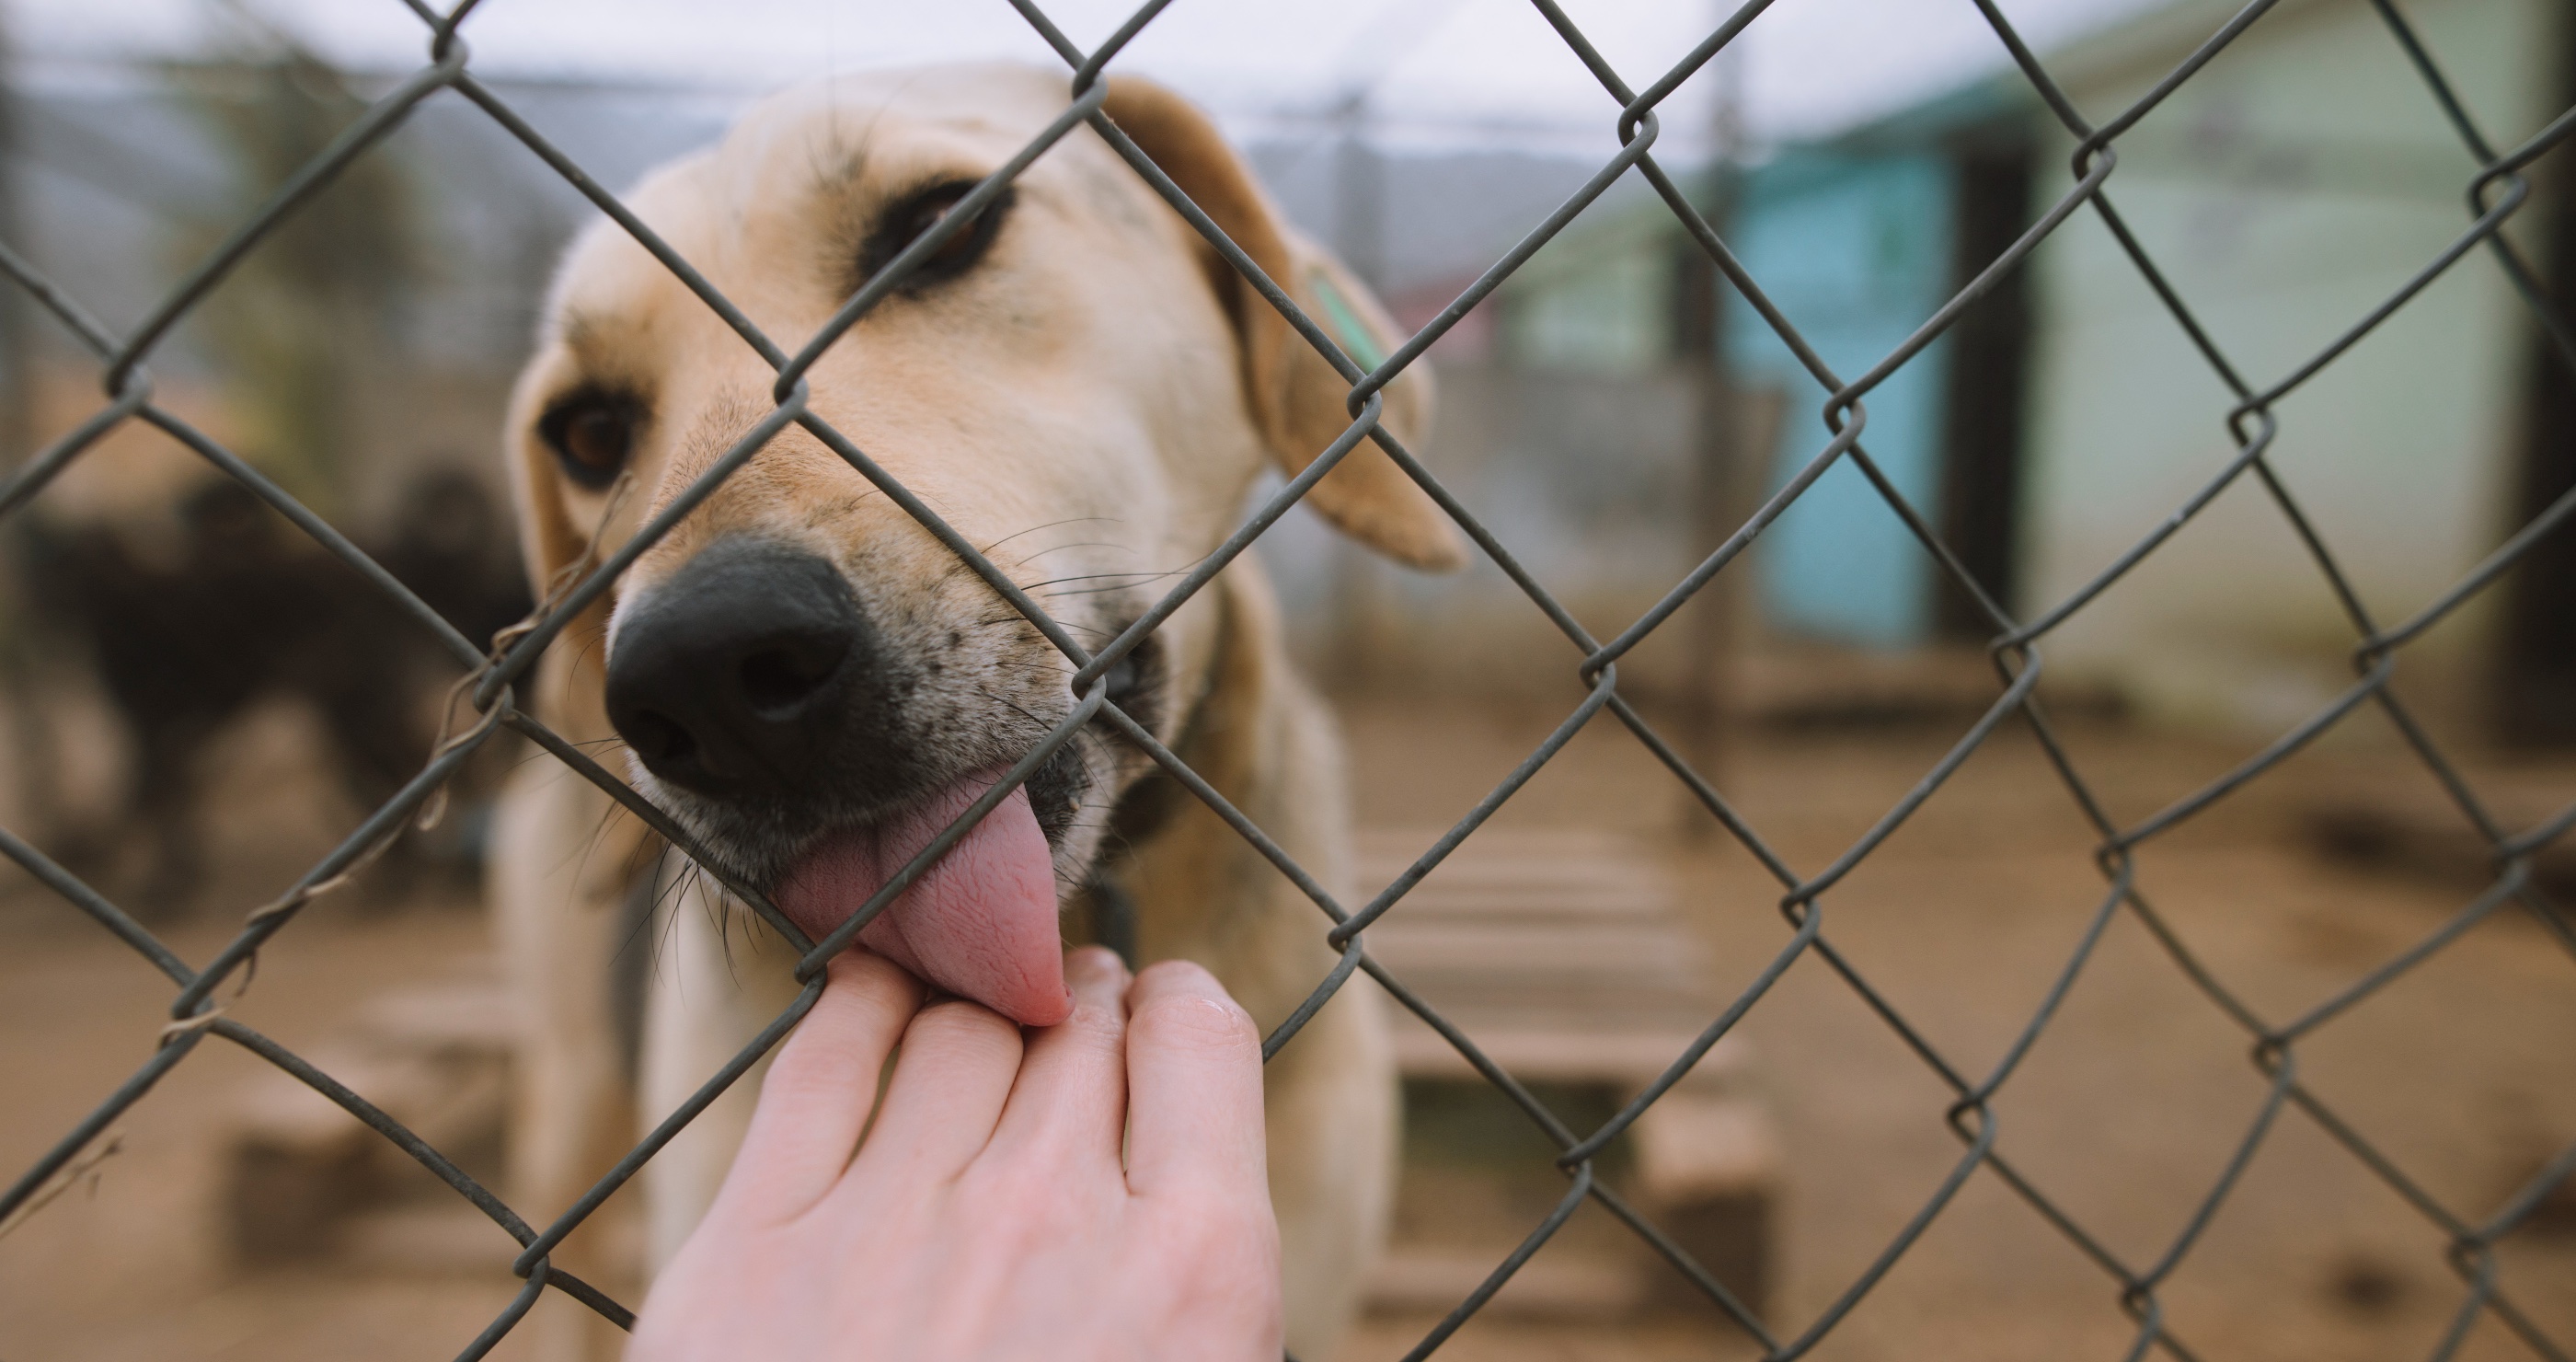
[776,680]
[657,739]
[747,673]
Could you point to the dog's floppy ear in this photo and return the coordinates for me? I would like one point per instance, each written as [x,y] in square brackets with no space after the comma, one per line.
[1298,398]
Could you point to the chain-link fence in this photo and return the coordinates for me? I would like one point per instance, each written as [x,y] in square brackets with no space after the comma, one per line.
[2495,189]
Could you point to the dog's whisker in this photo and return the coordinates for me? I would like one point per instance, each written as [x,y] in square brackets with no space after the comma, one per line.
[723,920]
[987,550]
[1126,580]
[1086,591]
[1134,577]
[1035,554]
[667,936]
[590,844]
[944,675]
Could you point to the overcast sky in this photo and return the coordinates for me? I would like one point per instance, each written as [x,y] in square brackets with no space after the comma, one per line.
[1453,67]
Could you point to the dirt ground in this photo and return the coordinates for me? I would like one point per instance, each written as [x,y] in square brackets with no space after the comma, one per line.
[2125,1112]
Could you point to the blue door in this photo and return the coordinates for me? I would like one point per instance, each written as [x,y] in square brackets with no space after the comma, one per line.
[1856,249]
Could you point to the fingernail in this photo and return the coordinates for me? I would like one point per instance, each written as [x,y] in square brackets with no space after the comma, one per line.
[1095,967]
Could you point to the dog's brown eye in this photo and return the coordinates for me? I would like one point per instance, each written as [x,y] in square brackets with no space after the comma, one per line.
[592,434]
[910,218]
[930,214]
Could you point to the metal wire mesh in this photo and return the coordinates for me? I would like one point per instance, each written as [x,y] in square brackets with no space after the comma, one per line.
[2495,190]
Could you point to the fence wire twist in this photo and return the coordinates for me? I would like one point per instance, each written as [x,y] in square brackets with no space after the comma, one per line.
[2495,190]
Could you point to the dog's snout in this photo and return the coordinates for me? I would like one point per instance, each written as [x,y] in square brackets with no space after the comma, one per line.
[747,673]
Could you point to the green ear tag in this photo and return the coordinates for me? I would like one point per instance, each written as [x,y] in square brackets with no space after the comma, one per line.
[1345,321]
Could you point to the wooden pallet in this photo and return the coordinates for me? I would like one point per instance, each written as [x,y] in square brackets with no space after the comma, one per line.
[1564,956]
[304,1179]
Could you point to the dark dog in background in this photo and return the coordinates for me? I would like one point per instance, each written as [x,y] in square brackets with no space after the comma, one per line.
[238,608]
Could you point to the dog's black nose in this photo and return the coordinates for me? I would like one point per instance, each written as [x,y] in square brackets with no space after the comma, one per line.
[744,674]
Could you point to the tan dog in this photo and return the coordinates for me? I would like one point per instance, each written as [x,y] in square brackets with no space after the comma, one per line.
[812,684]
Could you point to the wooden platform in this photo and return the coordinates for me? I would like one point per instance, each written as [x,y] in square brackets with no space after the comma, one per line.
[1564,956]
[303,1179]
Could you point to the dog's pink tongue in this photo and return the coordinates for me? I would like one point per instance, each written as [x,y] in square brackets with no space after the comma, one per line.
[981,923]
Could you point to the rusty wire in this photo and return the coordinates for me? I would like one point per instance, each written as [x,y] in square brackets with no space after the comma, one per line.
[2495,189]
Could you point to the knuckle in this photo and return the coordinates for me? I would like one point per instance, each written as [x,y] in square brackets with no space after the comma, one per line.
[883,979]
[960,1023]
[1031,1201]
[1098,1022]
[1017,1190]
[884,996]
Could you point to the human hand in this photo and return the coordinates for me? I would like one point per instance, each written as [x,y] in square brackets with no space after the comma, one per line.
[988,1214]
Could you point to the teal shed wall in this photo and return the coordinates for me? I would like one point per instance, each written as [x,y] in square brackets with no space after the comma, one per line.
[1856,250]
[2284,192]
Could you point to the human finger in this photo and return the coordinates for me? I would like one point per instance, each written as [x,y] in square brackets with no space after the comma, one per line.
[949,1084]
[1193,1085]
[819,1089]
[1071,1097]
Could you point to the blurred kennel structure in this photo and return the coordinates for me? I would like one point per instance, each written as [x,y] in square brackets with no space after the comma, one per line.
[2292,183]
[1579,402]
[1613,413]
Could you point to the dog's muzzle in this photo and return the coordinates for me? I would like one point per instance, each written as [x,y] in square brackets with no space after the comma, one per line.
[752,679]
[751,675]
